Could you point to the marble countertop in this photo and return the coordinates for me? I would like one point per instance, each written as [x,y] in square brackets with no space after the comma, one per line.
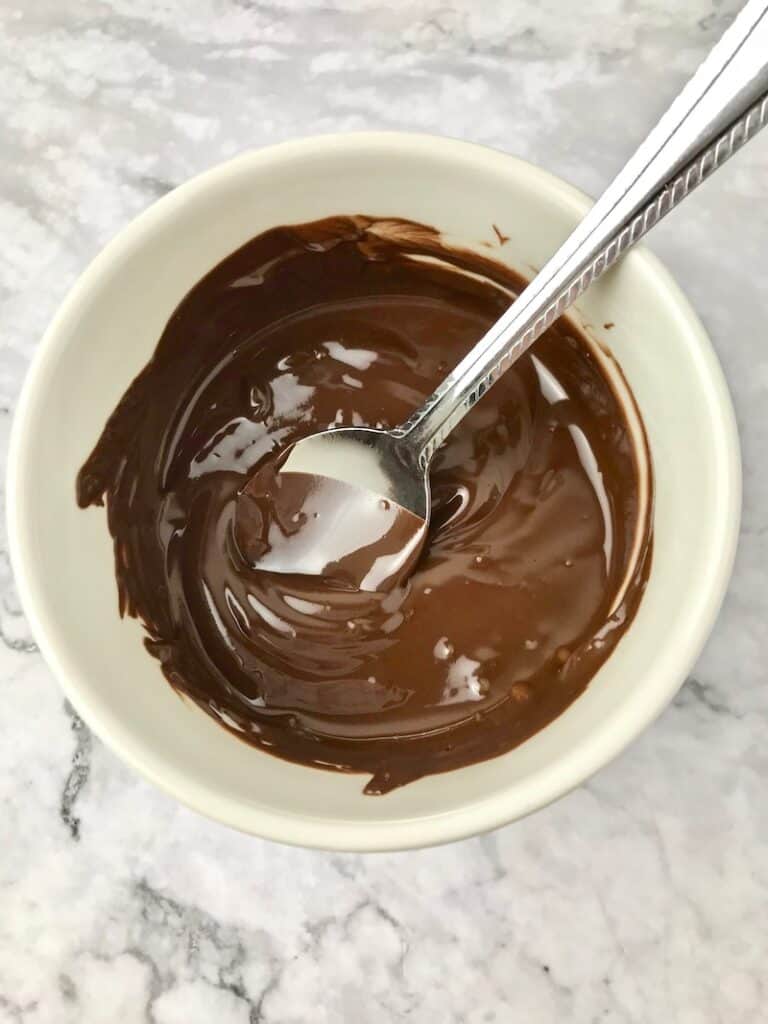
[642,896]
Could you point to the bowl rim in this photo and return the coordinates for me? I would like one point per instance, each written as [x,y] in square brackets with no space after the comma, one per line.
[521,797]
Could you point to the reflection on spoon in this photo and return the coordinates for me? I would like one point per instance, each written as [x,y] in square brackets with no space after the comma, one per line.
[303,524]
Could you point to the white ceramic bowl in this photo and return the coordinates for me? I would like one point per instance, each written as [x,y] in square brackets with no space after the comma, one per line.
[106,331]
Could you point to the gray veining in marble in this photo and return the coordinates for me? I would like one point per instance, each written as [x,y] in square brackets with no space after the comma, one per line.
[641,897]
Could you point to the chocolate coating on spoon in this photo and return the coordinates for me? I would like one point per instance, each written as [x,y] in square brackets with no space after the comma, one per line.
[537,555]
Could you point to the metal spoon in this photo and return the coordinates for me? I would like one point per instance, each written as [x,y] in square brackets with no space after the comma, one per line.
[721,108]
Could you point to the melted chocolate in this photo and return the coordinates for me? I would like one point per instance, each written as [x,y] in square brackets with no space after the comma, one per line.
[531,572]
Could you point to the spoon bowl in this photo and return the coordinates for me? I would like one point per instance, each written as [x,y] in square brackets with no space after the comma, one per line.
[349,507]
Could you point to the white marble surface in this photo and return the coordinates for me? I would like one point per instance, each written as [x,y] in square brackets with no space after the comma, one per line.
[641,897]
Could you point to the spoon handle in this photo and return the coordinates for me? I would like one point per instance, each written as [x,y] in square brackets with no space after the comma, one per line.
[723,105]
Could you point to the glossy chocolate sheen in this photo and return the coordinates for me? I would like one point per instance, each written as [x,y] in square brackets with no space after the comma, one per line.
[532,570]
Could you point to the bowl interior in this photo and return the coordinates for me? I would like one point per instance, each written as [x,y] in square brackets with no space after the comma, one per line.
[107,330]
